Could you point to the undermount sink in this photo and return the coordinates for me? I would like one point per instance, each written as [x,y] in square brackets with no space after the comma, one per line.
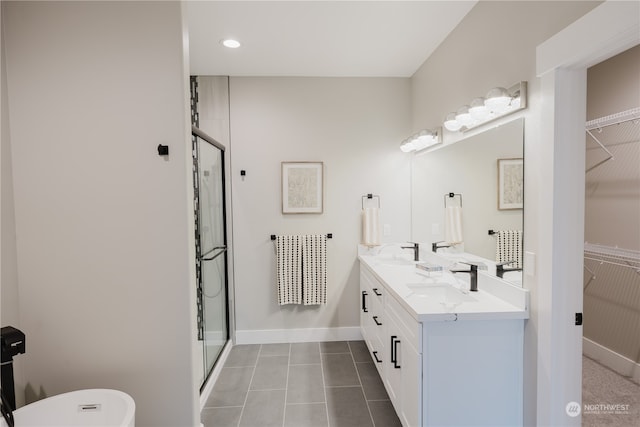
[442,293]
[394,261]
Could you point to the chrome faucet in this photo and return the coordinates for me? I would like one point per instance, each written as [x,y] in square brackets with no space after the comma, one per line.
[473,276]
[500,270]
[435,247]
[416,250]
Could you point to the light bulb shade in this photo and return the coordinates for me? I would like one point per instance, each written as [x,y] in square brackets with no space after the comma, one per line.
[407,145]
[230,43]
[426,138]
[463,117]
[421,140]
[451,124]
[497,99]
[478,110]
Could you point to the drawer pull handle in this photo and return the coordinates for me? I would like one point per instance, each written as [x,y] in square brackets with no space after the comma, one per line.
[364,302]
[375,291]
[394,351]
[375,319]
[375,356]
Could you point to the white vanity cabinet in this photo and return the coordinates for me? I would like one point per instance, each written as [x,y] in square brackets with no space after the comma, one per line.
[442,367]
[393,338]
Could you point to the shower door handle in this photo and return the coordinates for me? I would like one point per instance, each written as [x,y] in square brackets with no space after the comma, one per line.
[223,250]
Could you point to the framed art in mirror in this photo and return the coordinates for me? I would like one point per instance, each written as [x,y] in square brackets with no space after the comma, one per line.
[510,183]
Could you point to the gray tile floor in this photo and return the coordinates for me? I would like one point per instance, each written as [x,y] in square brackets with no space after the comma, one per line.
[302,384]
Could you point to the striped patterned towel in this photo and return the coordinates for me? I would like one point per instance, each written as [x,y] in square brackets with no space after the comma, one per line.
[314,269]
[289,269]
[509,247]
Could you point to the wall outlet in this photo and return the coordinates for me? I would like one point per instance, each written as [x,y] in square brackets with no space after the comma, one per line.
[435,229]
[386,230]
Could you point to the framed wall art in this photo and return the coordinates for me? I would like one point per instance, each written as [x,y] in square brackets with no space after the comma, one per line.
[510,184]
[302,187]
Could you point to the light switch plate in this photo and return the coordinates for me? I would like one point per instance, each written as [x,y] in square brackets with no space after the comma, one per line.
[386,230]
[530,263]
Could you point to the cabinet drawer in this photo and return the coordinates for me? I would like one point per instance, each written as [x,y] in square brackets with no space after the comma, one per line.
[411,328]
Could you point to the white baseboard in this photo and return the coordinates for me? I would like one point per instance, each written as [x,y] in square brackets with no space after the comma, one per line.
[208,386]
[612,360]
[273,336]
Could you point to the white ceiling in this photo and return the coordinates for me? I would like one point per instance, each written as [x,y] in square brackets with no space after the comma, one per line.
[318,38]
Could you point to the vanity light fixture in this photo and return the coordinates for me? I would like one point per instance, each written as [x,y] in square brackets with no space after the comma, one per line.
[421,140]
[497,103]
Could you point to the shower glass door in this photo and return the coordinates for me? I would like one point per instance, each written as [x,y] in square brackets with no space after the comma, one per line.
[211,233]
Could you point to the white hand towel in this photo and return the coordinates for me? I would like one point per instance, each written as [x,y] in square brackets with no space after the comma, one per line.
[289,269]
[453,225]
[314,269]
[371,226]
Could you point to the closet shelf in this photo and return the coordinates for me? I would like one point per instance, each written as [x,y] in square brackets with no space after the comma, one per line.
[602,122]
[614,119]
[610,255]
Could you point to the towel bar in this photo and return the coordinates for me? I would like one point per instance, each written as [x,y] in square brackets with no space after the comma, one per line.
[329,236]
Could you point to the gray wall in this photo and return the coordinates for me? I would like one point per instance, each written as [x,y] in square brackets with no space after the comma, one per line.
[104,229]
[9,314]
[354,126]
[612,206]
[613,189]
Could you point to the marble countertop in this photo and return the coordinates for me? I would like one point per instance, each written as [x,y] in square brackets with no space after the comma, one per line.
[444,296]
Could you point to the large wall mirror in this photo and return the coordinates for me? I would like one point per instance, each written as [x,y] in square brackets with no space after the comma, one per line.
[484,172]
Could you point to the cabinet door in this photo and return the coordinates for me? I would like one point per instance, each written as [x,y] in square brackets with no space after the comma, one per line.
[403,373]
[411,362]
[392,364]
[365,305]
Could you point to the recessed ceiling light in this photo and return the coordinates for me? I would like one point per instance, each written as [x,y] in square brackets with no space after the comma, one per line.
[231,43]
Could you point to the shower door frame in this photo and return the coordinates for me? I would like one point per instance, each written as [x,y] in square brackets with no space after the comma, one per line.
[197,133]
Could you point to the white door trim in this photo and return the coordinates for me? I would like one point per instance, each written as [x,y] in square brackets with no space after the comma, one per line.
[561,63]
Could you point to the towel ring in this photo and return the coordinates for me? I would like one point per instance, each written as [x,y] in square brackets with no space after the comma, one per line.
[451,196]
[370,196]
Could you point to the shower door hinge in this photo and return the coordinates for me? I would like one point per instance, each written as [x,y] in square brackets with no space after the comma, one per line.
[578,319]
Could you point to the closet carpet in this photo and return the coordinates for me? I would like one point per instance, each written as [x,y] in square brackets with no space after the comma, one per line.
[608,399]
[301,384]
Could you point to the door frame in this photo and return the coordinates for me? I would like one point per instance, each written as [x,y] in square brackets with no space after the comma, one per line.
[561,65]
